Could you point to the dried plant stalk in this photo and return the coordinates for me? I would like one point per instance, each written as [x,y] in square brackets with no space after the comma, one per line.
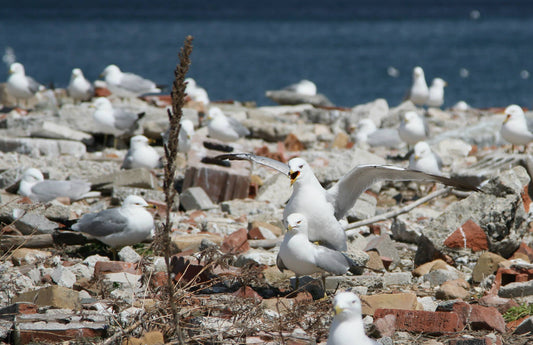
[171,151]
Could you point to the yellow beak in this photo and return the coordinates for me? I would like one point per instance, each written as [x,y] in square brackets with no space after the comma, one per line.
[289,228]
[507,118]
[417,157]
[293,176]
[337,310]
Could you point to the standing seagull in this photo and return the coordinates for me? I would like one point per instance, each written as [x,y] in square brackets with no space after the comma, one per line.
[122,226]
[302,257]
[141,155]
[347,327]
[19,85]
[34,186]
[413,128]
[419,92]
[516,129]
[324,208]
[423,159]
[79,88]
[114,121]
[127,84]
[436,93]
[224,128]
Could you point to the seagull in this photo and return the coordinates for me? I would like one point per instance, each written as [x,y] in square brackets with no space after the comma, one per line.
[141,155]
[195,92]
[79,88]
[325,207]
[516,129]
[413,128]
[364,128]
[436,93]
[122,226]
[114,121]
[127,84]
[347,327]
[34,186]
[19,85]
[419,92]
[424,159]
[185,135]
[224,128]
[303,87]
[302,257]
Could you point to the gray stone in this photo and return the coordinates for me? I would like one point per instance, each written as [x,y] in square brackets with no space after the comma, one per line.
[275,190]
[385,247]
[397,278]
[195,198]
[44,147]
[32,222]
[343,282]
[427,303]
[138,178]
[53,130]
[259,256]
[437,277]
[90,261]
[376,110]
[239,207]
[517,289]
[127,254]
[365,207]
[403,232]
[63,277]
[81,271]
[525,327]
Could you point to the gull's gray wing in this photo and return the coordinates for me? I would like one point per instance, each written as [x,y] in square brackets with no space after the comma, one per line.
[332,261]
[51,189]
[33,84]
[103,223]
[238,127]
[426,126]
[280,264]
[269,162]
[126,164]
[529,122]
[137,84]
[125,120]
[346,191]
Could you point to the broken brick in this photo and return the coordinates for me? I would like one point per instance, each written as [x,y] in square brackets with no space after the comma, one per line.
[421,320]
[469,235]
[105,267]
[236,242]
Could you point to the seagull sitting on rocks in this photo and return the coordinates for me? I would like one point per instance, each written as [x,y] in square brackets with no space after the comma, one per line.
[419,92]
[185,135]
[79,88]
[347,327]
[424,159]
[141,155]
[195,92]
[302,257]
[413,128]
[224,128]
[127,84]
[516,129]
[34,186]
[324,208]
[122,226]
[436,93]
[303,87]
[19,85]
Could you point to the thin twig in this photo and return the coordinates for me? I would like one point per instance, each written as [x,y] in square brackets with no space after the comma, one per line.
[126,331]
[396,212]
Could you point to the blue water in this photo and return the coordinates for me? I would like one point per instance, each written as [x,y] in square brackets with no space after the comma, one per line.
[242,48]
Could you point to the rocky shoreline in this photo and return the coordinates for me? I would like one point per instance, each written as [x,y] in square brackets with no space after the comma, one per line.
[445,272]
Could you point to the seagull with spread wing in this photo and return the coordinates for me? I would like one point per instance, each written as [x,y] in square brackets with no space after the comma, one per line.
[323,208]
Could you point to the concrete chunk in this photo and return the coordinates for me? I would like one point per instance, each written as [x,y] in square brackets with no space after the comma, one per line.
[55,131]
[55,296]
[195,198]
[45,147]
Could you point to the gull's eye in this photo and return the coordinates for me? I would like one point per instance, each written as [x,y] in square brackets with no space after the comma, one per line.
[300,166]
[298,222]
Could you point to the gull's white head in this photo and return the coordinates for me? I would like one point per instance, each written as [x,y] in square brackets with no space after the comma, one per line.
[410,116]
[513,113]
[421,150]
[102,103]
[16,68]
[347,305]
[366,126]
[134,201]
[111,70]
[32,175]
[418,72]
[438,82]
[297,222]
[190,82]
[138,141]
[298,170]
[76,72]
[215,113]
[306,87]
[188,128]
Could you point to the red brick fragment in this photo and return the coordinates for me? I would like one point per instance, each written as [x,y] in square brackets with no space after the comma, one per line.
[105,267]
[237,242]
[292,143]
[13,310]
[469,235]
[525,249]
[421,320]
[526,200]
[185,271]
[247,292]
[479,317]
[159,279]
[58,335]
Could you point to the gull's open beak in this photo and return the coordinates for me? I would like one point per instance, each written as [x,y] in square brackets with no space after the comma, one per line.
[293,175]
[507,118]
